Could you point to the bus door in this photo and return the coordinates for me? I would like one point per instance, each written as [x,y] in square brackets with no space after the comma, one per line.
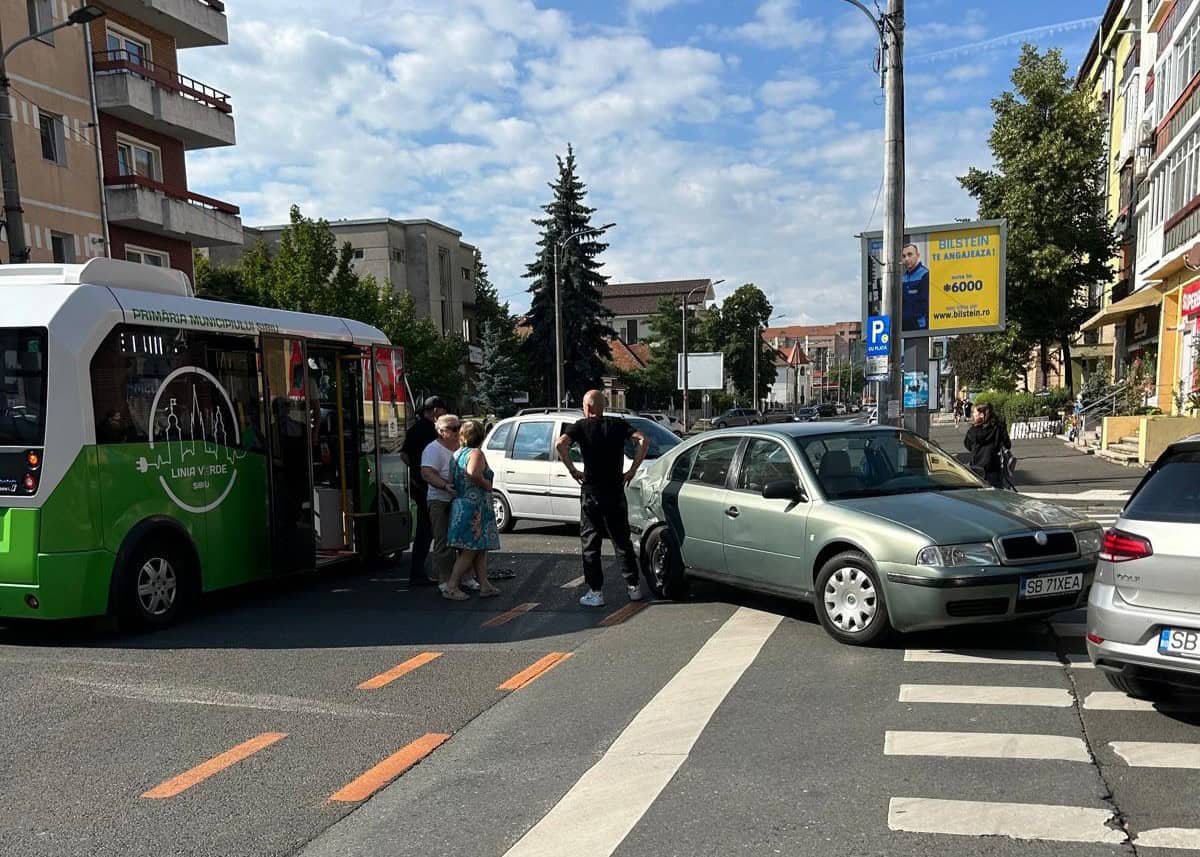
[391,421]
[291,430]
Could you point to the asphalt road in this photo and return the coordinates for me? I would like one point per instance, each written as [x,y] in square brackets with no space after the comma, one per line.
[730,724]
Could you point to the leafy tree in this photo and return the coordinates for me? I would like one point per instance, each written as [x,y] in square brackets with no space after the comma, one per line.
[990,361]
[500,376]
[1048,146]
[433,363]
[735,329]
[221,282]
[585,331]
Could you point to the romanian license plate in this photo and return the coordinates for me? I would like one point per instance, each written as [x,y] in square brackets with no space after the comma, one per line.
[1050,584]
[1181,642]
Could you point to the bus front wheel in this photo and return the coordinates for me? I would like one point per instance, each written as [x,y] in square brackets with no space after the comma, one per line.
[153,585]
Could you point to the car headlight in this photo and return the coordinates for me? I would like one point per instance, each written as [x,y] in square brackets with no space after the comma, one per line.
[1090,541]
[953,556]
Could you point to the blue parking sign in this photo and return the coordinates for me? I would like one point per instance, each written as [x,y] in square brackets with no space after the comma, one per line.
[879,334]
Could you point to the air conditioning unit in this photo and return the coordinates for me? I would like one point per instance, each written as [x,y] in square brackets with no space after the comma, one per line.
[1146,131]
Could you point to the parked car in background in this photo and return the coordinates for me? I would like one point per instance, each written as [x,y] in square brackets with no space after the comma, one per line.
[807,414]
[670,422]
[827,409]
[531,483]
[738,417]
[1144,612]
[876,526]
[840,407]
[778,415]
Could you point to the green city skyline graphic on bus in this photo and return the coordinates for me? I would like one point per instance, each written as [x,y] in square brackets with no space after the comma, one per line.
[190,440]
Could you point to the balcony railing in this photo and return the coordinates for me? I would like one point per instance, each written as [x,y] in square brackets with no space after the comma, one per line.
[188,197]
[123,62]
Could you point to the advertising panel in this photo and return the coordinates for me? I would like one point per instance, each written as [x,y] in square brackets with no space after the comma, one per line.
[706,371]
[953,278]
[916,390]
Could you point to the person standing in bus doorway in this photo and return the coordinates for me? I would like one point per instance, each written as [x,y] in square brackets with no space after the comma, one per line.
[437,468]
[602,506]
[420,436]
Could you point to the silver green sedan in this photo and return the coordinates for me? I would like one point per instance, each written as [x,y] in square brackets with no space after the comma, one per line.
[876,526]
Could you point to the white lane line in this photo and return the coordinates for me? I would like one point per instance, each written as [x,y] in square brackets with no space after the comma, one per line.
[1014,820]
[571,584]
[971,694]
[1157,754]
[1169,837]
[596,815]
[985,745]
[1113,700]
[999,657]
[1069,629]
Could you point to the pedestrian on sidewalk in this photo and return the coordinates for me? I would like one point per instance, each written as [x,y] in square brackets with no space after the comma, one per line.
[958,411]
[472,517]
[422,433]
[988,441]
[437,462]
[602,506]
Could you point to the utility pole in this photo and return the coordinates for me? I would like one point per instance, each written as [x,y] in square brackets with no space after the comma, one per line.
[14,220]
[892,32]
[757,342]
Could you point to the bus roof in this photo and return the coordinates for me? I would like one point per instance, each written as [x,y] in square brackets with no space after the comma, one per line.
[157,296]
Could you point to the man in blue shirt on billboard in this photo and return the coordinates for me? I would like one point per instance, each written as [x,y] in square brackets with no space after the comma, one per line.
[915,289]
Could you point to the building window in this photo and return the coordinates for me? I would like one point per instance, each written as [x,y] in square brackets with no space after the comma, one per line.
[41,18]
[398,256]
[123,48]
[466,330]
[466,274]
[63,248]
[138,159]
[147,257]
[53,142]
[631,331]
[444,282]
[359,253]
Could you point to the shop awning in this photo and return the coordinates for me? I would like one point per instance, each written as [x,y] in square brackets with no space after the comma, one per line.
[1123,308]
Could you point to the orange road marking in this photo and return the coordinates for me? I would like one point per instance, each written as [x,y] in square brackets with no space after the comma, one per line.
[509,615]
[386,678]
[215,765]
[393,766]
[619,616]
[534,670]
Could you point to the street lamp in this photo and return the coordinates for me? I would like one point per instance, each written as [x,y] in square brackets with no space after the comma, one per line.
[14,222]
[758,328]
[558,358]
[683,308]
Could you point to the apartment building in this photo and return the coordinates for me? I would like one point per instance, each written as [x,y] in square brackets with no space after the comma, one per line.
[1149,51]
[425,258]
[104,122]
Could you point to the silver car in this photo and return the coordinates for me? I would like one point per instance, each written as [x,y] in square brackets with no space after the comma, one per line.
[1144,609]
[878,527]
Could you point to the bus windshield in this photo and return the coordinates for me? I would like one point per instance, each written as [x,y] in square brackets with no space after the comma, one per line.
[23,386]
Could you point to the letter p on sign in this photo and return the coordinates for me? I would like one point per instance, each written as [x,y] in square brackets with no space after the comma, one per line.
[879,329]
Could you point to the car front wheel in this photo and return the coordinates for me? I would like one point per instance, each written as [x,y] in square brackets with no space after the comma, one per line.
[850,601]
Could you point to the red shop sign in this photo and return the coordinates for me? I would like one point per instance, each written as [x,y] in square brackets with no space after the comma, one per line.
[1189,304]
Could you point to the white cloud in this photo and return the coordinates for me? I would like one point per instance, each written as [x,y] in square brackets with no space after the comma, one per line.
[781,93]
[775,26]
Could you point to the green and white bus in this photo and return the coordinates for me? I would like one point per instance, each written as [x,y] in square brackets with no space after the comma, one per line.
[154,445]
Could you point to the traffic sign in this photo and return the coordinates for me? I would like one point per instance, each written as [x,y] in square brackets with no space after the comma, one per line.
[879,334]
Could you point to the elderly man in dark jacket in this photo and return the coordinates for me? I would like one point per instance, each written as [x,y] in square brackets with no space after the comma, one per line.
[985,440]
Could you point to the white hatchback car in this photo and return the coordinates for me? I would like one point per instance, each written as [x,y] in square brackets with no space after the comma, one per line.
[531,483]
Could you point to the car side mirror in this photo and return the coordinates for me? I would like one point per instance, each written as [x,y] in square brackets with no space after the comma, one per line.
[784,489]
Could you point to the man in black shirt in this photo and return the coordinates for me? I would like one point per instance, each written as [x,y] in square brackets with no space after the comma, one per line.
[602,503]
[420,436]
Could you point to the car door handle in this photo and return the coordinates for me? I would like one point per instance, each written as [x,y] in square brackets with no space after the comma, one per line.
[732,511]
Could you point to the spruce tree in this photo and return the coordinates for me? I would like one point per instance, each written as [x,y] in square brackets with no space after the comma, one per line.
[500,376]
[585,328]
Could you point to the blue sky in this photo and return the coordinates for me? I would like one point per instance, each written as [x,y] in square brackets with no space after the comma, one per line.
[735,139]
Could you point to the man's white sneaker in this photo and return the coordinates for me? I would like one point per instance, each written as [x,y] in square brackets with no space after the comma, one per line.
[472,585]
[592,599]
[442,588]
[635,592]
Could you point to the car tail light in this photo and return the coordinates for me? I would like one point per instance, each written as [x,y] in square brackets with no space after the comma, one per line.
[30,483]
[1095,639]
[33,459]
[1122,547]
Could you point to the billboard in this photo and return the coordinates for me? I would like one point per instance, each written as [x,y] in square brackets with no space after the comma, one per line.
[706,371]
[953,279]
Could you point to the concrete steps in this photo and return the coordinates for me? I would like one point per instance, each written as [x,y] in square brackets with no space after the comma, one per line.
[1125,451]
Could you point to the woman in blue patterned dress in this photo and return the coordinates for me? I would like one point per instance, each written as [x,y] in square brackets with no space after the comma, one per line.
[472,517]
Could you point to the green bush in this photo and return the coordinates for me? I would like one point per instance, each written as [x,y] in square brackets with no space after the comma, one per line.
[1021,407]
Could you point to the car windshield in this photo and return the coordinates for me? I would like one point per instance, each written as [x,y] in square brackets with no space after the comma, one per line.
[23,387]
[1170,494]
[854,464]
[661,440]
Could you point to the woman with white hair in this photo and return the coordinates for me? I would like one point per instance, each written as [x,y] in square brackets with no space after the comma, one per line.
[472,516]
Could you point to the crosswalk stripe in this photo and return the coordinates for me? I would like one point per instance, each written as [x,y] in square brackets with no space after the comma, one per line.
[1014,820]
[629,777]
[1157,754]
[970,694]
[1169,837]
[1112,700]
[998,657]
[985,745]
